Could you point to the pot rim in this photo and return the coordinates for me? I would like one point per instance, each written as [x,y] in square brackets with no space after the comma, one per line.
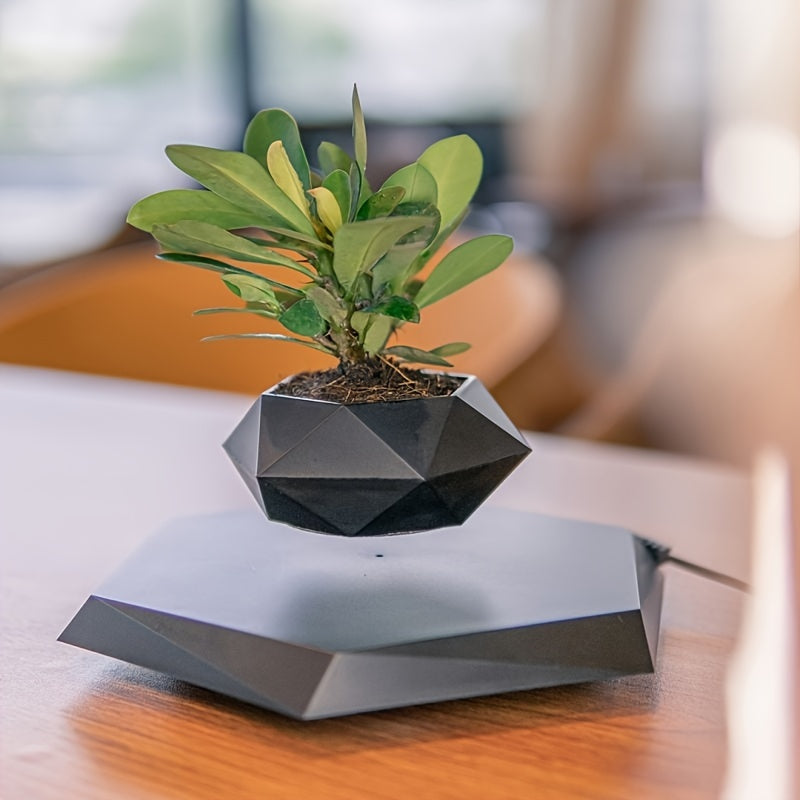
[467,379]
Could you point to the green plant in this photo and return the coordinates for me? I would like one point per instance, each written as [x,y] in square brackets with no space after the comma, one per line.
[358,252]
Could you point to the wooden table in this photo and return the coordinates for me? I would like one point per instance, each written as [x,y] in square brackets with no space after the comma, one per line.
[91,466]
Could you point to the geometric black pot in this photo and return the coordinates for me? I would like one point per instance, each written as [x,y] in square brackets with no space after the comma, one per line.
[366,469]
[320,626]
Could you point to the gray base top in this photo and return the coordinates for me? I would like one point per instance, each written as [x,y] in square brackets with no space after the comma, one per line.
[315,626]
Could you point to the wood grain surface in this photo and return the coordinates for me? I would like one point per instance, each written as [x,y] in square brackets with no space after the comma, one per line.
[89,467]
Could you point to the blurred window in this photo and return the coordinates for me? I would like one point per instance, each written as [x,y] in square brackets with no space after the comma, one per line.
[414,60]
[90,92]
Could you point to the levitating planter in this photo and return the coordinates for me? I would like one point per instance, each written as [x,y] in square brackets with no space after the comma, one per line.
[312,626]
[375,468]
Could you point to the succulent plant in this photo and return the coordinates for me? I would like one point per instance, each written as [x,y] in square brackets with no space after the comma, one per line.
[356,254]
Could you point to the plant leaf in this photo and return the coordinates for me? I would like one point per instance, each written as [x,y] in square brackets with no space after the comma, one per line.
[262,312]
[417,356]
[289,239]
[397,307]
[426,211]
[464,264]
[389,271]
[451,349]
[456,165]
[276,125]
[331,157]
[359,245]
[359,190]
[400,262]
[284,174]
[204,262]
[382,203]
[198,238]
[240,179]
[441,238]
[214,265]
[251,289]
[360,320]
[328,306]
[338,184]
[327,208]
[274,336]
[302,317]
[359,132]
[165,208]
[356,181]
[366,190]
[419,184]
[307,253]
[379,329]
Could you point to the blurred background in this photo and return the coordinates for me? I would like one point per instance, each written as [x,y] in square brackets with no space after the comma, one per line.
[644,154]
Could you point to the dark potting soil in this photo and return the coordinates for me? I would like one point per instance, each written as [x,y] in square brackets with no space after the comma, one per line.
[372,381]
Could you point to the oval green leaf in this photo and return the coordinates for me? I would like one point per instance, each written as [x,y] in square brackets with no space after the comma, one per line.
[378,331]
[456,165]
[302,317]
[166,208]
[276,125]
[198,238]
[327,208]
[451,349]
[417,356]
[397,307]
[328,306]
[418,183]
[359,245]
[238,178]
[464,264]
[251,289]
[284,174]
[331,157]
[423,235]
[403,261]
[382,203]
[338,184]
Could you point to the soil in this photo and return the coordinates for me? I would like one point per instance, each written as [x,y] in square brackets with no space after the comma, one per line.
[375,380]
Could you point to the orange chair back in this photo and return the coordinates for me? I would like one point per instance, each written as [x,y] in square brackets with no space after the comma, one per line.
[124,313]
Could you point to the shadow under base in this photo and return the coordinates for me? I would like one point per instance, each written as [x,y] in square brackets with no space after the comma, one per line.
[315,626]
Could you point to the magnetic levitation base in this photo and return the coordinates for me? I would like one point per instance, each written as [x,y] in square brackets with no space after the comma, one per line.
[316,626]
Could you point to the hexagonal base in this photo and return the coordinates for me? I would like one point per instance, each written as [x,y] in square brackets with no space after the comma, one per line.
[317,627]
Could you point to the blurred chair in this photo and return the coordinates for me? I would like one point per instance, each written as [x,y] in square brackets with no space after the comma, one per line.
[712,367]
[121,312]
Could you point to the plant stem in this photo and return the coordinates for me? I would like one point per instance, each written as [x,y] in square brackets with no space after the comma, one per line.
[351,350]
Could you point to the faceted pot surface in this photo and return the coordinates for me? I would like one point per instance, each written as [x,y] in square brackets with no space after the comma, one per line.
[368,469]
